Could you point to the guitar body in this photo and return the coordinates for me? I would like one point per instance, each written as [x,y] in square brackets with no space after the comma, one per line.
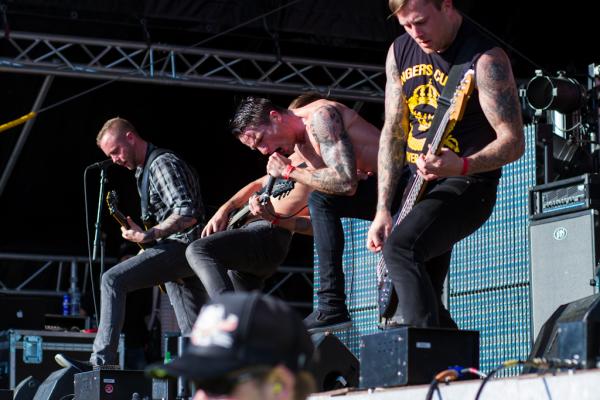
[238,217]
[387,299]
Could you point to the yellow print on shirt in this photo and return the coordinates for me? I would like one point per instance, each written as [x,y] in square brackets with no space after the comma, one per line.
[426,94]
[424,70]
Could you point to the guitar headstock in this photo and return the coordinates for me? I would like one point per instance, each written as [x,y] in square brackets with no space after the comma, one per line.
[461,96]
[112,201]
[282,189]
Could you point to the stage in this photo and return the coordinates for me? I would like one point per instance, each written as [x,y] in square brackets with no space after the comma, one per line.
[579,385]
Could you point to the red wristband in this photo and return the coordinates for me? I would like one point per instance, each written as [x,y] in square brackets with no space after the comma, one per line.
[275,221]
[287,171]
[465,167]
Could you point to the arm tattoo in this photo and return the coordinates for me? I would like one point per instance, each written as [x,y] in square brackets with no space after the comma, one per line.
[173,224]
[339,177]
[500,104]
[392,143]
[497,83]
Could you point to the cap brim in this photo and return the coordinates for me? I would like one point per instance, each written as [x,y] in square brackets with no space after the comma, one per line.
[194,367]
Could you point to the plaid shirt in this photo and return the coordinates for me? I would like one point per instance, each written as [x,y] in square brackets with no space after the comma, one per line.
[174,188]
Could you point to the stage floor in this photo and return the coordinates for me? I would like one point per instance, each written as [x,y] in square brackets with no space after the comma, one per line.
[579,385]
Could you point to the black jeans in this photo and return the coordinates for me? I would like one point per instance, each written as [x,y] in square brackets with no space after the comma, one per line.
[417,252]
[325,213]
[239,259]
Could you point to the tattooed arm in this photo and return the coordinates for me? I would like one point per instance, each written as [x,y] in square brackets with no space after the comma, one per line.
[500,104]
[339,175]
[173,224]
[390,160]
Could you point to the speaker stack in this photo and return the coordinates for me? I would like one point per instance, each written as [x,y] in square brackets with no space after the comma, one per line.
[564,252]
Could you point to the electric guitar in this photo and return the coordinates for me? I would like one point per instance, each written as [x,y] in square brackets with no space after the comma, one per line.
[238,217]
[112,201]
[386,296]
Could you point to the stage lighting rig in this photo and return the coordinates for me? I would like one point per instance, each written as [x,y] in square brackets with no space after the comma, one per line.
[559,93]
[571,112]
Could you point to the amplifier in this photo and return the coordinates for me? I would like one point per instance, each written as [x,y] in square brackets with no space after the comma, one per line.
[408,355]
[565,196]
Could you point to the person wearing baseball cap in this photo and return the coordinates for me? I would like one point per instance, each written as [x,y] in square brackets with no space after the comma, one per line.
[245,346]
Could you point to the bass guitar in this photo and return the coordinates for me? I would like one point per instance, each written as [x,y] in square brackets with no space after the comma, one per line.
[386,296]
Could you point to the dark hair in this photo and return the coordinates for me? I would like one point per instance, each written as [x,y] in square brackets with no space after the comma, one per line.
[252,111]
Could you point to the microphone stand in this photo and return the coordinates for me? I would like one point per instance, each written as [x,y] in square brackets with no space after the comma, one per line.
[97,236]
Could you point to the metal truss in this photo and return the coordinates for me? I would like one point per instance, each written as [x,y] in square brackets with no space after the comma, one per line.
[75,264]
[187,66]
[47,262]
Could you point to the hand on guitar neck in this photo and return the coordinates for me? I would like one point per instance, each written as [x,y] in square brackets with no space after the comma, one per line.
[129,229]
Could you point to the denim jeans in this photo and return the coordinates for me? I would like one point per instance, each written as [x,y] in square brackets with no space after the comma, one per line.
[417,252]
[325,213]
[239,259]
[165,262]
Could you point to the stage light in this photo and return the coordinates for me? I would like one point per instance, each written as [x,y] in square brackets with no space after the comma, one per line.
[560,93]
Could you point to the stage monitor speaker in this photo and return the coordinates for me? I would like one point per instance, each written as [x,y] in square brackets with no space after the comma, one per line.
[57,386]
[26,389]
[571,333]
[564,256]
[407,355]
[334,366]
[113,385]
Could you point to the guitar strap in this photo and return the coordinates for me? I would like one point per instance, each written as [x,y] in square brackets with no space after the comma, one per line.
[464,59]
[144,182]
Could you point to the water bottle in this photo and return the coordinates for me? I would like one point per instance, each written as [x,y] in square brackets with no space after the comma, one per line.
[75,300]
[66,305]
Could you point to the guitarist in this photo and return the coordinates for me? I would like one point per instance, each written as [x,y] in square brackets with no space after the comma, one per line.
[340,149]
[242,258]
[463,177]
[172,192]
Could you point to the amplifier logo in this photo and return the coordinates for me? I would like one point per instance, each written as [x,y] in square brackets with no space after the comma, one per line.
[560,233]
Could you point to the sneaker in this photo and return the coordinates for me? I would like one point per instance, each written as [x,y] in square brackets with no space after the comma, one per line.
[66,362]
[319,321]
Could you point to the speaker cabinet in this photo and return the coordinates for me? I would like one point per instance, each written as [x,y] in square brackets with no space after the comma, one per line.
[334,366]
[57,386]
[571,333]
[564,256]
[26,389]
[408,355]
[113,385]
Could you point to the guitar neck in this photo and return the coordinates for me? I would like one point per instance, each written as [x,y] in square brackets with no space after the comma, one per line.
[122,220]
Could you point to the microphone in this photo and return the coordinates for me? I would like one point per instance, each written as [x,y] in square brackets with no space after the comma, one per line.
[101,164]
[264,197]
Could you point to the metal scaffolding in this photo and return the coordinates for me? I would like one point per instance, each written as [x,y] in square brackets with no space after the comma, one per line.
[187,66]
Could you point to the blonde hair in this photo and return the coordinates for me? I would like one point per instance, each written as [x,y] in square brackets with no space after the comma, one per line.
[118,126]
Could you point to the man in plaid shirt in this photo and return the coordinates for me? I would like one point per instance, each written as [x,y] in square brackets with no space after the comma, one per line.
[173,200]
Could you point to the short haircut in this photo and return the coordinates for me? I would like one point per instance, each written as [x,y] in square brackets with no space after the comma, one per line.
[252,111]
[117,125]
[397,5]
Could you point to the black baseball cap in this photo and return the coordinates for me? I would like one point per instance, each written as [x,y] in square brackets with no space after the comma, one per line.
[240,330]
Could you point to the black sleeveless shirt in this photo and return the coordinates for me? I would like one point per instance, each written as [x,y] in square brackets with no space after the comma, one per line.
[423,78]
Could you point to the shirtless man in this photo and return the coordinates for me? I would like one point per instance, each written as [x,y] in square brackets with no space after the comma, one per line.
[337,145]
